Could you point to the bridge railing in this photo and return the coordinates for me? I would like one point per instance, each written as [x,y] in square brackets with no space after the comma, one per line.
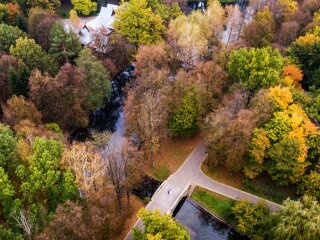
[186,191]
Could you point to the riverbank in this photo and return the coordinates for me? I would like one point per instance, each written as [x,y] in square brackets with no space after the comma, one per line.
[203,223]
[216,204]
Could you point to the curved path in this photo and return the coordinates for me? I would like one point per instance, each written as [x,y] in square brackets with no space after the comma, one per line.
[190,174]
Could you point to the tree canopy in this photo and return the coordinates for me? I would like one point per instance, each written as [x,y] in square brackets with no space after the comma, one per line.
[8,36]
[136,21]
[97,78]
[183,120]
[298,220]
[33,56]
[255,68]
[84,7]
[45,4]
[7,144]
[64,46]
[157,226]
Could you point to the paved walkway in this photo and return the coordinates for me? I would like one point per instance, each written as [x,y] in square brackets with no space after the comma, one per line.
[190,173]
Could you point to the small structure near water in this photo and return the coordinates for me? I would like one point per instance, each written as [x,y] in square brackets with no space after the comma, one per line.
[103,22]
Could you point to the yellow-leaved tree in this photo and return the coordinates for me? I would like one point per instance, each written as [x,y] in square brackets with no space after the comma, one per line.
[281,147]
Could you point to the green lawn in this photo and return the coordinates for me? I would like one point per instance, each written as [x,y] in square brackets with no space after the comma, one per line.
[265,187]
[217,204]
[262,186]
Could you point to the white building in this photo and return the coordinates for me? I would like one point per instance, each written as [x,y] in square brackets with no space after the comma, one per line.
[103,21]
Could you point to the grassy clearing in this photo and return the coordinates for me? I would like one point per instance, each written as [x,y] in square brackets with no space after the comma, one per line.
[173,153]
[161,172]
[262,186]
[217,204]
[265,187]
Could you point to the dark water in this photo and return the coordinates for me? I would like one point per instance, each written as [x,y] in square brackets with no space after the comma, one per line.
[146,187]
[202,5]
[197,5]
[106,118]
[205,225]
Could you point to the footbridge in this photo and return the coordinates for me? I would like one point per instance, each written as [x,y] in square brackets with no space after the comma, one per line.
[185,179]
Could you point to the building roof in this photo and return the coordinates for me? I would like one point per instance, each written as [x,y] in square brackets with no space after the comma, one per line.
[105,19]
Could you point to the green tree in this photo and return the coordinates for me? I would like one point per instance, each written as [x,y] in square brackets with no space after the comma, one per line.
[252,219]
[255,68]
[284,165]
[136,21]
[7,144]
[257,152]
[84,6]
[65,46]
[7,62]
[307,50]
[43,179]
[33,56]
[3,13]
[298,220]
[314,108]
[18,79]
[6,191]
[165,10]
[67,186]
[8,234]
[8,36]
[310,185]
[159,227]
[44,4]
[97,78]
[184,119]
[314,149]
[278,127]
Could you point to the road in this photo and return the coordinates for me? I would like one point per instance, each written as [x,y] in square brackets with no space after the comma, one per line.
[190,174]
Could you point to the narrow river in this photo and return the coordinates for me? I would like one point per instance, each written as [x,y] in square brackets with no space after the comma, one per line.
[202,225]
[111,117]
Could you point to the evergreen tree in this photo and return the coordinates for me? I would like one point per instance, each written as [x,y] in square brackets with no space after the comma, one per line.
[97,78]
[8,36]
[7,144]
[64,46]
[18,79]
[183,120]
